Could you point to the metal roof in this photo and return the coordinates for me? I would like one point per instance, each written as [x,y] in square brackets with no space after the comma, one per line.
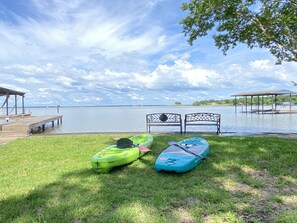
[263,93]
[5,91]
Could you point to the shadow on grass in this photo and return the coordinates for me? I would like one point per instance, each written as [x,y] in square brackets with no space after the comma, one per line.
[136,193]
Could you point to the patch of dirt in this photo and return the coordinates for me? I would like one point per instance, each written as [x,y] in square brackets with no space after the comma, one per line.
[261,204]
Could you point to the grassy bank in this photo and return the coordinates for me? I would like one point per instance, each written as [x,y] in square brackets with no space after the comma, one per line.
[244,179]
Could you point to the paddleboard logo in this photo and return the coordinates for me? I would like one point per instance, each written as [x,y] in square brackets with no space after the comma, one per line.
[163,117]
[171,161]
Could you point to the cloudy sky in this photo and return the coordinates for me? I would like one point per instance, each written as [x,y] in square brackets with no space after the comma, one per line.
[98,52]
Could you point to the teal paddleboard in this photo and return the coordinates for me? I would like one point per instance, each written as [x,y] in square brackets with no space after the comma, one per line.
[183,156]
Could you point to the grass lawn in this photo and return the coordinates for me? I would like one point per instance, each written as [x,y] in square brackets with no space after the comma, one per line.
[244,179]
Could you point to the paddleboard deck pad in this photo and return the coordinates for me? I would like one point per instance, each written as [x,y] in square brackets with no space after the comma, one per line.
[183,156]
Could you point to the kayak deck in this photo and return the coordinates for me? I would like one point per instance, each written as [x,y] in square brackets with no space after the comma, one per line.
[113,156]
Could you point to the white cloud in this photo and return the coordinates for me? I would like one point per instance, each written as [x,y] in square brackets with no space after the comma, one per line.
[201,77]
[82,27]
[25,69]
[235,68]
[87,99]
[261,64]
[182,74]
[114,52]
[136,97]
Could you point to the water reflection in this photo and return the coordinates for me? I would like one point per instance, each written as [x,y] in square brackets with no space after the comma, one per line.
[132,119]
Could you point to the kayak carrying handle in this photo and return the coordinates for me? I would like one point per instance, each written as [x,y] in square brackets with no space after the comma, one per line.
[173,143]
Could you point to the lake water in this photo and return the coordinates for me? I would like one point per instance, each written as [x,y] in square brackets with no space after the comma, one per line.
[133,119]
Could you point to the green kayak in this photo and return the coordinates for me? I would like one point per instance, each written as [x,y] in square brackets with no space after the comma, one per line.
[124,152]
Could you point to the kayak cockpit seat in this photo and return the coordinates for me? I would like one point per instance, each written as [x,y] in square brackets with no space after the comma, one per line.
[163,119]
[123,143]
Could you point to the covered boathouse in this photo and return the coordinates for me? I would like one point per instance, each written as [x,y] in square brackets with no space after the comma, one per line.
[259,107]
[7,93]
[15,125]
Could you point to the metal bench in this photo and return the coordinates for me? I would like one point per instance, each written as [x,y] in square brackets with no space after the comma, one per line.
[210,119]
[163,119]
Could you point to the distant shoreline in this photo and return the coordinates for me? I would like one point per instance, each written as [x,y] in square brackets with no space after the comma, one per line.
[115,106]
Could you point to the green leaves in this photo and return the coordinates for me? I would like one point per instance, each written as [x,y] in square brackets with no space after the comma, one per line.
[257,23]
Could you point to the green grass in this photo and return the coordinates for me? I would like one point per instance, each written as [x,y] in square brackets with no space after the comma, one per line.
[244,179]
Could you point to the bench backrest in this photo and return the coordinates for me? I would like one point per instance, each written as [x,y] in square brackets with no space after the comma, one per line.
[165,118]
[202,117]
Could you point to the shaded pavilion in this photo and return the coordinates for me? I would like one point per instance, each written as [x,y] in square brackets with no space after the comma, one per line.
[261,94]
[7,93]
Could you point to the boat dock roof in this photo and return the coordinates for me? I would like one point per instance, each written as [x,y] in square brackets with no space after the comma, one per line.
[6,91]
[265,93]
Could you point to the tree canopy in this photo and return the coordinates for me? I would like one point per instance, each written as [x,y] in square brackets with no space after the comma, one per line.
[270,24]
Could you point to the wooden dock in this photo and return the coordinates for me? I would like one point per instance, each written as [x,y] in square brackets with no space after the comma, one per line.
[270,111]
[23,126]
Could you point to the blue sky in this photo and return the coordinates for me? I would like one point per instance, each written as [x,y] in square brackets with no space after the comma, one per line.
[97,52]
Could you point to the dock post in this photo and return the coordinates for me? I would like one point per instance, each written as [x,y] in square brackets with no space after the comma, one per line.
[60,120]
[23,105]
[16,104]
[7,97]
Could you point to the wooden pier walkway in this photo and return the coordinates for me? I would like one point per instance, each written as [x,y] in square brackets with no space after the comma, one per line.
[270,111]
[19,127]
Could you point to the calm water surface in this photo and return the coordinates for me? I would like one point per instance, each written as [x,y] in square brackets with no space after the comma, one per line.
[132,119]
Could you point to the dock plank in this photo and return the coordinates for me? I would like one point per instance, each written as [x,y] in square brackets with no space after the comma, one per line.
[23,126]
